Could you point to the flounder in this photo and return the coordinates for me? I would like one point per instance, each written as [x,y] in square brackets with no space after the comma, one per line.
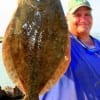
[36,50]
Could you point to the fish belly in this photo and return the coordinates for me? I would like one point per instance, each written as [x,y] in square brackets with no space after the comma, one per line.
[36,46]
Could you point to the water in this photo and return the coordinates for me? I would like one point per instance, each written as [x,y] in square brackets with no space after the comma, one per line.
[4,79]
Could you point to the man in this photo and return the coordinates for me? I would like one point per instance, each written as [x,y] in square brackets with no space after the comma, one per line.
[82,80]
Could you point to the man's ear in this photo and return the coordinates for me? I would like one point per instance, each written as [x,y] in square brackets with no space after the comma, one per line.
[66,17]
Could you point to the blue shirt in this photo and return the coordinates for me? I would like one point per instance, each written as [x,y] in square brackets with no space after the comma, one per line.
[82,79]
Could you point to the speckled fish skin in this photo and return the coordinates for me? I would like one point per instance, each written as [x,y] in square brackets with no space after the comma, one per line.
[36,49]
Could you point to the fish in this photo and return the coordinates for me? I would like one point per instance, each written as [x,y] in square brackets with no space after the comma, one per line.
[36,46]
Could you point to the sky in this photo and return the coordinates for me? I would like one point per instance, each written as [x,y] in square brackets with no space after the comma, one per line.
[8,7]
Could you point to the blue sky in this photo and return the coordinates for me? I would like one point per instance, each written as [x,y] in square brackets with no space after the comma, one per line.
[7,7]
[96,15]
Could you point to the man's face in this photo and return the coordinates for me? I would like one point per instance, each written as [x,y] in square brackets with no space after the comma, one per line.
[80,22]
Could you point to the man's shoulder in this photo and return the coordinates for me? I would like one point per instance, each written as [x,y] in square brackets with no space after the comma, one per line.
[94,38]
